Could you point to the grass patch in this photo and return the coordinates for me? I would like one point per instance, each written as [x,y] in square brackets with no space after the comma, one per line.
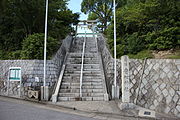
[173,57]
[141,55]
[176,55]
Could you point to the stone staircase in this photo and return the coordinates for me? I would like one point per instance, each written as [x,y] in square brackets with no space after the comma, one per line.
[93,82]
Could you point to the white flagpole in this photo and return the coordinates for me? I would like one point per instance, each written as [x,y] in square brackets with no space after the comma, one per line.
[115,83]
[45,42]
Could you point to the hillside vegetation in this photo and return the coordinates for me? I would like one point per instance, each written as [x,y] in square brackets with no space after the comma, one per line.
[144,26]
[22,27]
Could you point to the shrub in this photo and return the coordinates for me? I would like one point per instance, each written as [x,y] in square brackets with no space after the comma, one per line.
[33,47]
[163,39]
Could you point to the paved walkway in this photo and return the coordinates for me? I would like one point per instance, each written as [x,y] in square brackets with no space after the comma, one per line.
[99,110]
[103,110]
[93,106]
[109,110]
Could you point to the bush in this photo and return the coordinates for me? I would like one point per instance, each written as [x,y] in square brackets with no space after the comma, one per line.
[141,55]
[14,54]
[134,43]
[33,47]
[163,39]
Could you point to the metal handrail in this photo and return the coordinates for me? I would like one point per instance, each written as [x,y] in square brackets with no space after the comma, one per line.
[84,43]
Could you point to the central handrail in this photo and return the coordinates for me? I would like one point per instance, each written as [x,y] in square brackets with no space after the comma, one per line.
[82,62]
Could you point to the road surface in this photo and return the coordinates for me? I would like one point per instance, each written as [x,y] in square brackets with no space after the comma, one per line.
[16,111]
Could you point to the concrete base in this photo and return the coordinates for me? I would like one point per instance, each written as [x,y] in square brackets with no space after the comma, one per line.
[54,98]
[143,112]
[106,97]
[45,93]
[42,92]
[115,92]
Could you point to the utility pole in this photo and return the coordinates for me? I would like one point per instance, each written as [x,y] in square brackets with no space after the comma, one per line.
[115,87]
[45,42]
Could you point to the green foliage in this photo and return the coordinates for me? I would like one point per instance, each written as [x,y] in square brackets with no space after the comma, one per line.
[163,39]
[15,54]
[21,18]
[174,57]
[134,43]
[147,24]
[33,47]
[141,55]
[102,8]
[92,16]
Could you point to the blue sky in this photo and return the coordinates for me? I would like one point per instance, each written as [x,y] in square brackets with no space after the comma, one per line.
[75,6]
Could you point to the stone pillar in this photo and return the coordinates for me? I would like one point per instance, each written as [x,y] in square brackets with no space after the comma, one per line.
[125,79]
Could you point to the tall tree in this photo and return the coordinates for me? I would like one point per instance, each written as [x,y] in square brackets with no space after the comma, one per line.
[21,18]
[92,16]
[102,8]
[147,24]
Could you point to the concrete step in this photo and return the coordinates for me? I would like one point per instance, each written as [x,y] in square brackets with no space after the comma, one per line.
[84,77]
[87,69]
[84,80]
[91,47]
[85,66]
[79,60]
[69,87]
[83,84]
[82,40]
[79,55]
[69,94]
[84,72]
[92,85]
[87,47]
[78,94]
[81,99]
[90,51]
[69,99]
[99,98]
[72,59]
[89,90]
[83,87]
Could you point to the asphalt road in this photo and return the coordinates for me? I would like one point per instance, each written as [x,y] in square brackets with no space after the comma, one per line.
[16,111]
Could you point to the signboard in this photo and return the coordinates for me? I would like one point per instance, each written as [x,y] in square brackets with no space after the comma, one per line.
[15,74]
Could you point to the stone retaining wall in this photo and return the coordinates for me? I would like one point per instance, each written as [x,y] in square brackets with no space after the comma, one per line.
[30,69]
[58,59]
[34,68]
[160,86]
[108,63]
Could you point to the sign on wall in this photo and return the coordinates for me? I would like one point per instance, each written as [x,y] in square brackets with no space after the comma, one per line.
[15,74]
[14,80]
